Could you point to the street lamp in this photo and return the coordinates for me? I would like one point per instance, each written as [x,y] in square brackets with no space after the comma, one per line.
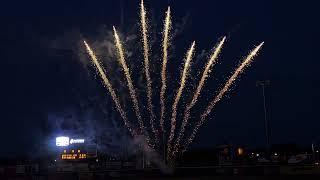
[263,84]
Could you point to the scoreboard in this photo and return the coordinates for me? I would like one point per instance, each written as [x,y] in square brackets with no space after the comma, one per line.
[75,148]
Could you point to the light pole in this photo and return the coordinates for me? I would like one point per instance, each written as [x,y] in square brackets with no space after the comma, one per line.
[264,84]
[164,146]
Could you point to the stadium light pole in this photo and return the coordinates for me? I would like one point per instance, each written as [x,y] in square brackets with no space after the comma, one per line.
[164,146]
[263,84]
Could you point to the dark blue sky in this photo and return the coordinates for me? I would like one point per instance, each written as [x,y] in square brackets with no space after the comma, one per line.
[36,82]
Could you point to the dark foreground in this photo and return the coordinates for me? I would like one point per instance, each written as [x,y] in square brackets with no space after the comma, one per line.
[211,172]
[291,177]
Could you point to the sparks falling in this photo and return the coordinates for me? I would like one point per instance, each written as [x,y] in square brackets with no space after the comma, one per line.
[165,44]
[144,31]
[132,90]
[226,87]
[184,76]
[109,87]
[197,93]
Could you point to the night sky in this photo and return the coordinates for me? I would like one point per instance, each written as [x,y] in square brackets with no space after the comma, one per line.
[35,81]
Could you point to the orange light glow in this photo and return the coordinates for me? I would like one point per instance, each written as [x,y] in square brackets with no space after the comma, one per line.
[240,151]
[73,156]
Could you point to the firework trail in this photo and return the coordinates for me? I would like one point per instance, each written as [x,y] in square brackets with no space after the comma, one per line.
[165,44]
[109,87]
[179,93]
[202,81]
[226,87]
[132,90]
[144,32]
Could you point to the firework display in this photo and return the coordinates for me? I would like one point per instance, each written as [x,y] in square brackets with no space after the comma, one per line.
[163,132]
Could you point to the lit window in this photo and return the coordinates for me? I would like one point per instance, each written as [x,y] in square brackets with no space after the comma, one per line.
[64,151]
[72,151]
[78,150]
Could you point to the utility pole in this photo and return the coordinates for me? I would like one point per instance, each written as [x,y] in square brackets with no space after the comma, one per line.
[263,84]
[164,147]
[313,154]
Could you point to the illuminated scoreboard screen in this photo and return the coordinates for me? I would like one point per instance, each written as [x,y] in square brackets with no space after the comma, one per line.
[66,141]
[73,155]
[74,148]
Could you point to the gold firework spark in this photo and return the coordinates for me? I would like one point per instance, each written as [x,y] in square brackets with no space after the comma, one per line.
[184,76]
[165,45]
[132,90]
[109,87]
[197,93]
[144,31]
[226,87]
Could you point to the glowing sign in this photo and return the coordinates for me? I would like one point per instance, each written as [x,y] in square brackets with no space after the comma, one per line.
[66,141]
[62,141]
[76,141]
[73,156]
